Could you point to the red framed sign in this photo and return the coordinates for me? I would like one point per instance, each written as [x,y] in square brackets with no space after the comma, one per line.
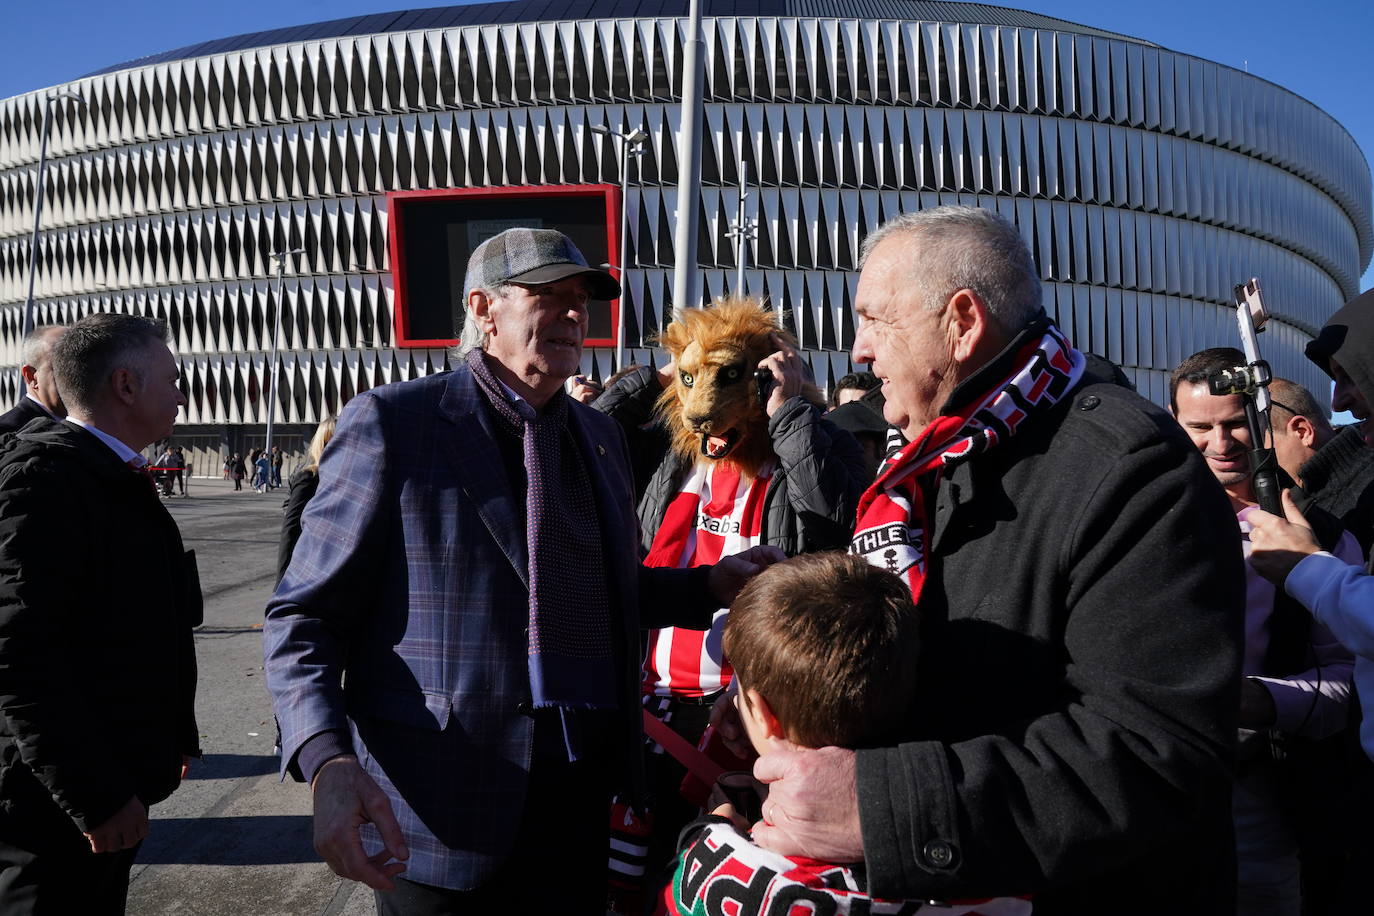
[431,235]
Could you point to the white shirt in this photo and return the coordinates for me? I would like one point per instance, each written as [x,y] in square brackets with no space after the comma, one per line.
[125,453]
[41,406]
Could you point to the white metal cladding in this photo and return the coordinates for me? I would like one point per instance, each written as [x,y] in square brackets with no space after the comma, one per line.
[1146,182]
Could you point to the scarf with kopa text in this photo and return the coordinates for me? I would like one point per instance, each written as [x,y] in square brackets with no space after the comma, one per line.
[893,529]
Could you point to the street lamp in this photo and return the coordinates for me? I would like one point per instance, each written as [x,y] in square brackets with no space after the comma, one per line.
[631,144]
[742,229]
[280,257]
[70,95]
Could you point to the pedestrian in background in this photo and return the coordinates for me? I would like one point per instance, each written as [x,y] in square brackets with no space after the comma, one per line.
[304,483]
[237,468]
[276,463]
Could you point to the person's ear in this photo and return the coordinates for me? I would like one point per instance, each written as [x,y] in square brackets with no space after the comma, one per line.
[969,324]
[1302,427]
[772,728]
[30,375]
[479,309]
[126,385]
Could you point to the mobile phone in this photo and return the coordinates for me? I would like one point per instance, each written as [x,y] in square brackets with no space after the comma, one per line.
[739,787]
[764,381]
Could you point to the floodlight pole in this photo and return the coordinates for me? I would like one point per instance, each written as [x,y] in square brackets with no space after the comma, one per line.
[280,257]
[73,96]
[685,287]
[631,144]
[743,230]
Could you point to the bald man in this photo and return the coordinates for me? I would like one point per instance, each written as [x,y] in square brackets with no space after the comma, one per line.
[41,398]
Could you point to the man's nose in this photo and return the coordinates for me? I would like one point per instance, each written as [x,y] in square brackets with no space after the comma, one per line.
[1341,396]
[575,307]
[861,352]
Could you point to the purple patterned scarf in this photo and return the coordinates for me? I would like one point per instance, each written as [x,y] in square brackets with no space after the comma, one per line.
[570,656]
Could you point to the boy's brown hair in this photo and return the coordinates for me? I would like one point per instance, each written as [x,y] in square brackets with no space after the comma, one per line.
[830,642]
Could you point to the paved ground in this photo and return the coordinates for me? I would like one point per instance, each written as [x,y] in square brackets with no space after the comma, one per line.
[234,839]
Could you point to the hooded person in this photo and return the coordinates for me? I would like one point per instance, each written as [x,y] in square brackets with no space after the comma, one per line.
[1340,476]
[1284,550]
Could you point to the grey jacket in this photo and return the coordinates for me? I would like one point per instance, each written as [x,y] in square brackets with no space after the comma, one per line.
[811,498]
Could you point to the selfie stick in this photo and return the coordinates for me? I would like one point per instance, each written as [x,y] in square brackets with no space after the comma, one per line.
[1251,382]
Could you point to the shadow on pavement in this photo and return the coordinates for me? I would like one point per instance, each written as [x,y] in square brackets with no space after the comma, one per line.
[229,766]
[261,840]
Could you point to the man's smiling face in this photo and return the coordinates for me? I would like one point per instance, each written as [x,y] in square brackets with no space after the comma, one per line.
[536,332]
[1217,426]
[905,345]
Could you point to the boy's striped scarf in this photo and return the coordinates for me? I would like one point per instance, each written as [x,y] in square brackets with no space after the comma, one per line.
[893,526]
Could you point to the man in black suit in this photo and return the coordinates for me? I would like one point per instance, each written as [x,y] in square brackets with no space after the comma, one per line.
[41,397]
[97,602]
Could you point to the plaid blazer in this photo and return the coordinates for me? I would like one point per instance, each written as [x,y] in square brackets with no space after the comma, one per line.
[402,616]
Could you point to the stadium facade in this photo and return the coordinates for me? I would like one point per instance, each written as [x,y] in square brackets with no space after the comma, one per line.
[1147,182]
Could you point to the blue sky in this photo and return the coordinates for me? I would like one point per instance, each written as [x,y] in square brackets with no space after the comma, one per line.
[1323,50]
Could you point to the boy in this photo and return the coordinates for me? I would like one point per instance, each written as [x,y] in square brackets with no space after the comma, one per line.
[824,648]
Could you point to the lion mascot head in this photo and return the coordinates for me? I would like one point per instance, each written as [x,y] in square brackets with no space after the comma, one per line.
[714,407]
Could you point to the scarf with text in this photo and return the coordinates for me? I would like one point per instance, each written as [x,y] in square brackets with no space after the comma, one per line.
[570,656]
[893,528]
[716,512]
[723,871]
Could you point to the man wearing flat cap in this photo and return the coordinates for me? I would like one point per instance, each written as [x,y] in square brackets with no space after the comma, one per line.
[453,651]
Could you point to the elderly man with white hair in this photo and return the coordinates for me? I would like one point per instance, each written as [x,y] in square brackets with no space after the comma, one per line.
[1079,576]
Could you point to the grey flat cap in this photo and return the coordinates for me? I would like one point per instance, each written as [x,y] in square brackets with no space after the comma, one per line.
[529,256]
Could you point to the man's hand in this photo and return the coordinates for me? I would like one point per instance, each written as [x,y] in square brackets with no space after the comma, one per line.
[725,720]
[789,371]
[667,372]
[345,799]
[584,390]
[730,573]
[1276,544]
[124,829]
[812,807]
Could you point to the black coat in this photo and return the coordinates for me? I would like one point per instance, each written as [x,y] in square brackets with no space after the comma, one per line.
[1073,730]
[97,661]
[304,483]
[18,416]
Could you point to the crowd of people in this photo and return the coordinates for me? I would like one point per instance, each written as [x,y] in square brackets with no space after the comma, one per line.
[262,468]
[981,632]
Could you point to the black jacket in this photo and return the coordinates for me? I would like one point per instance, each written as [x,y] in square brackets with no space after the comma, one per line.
[304,483]
[1073,730]
[18,416]
[1340,477]
[97,661]
[811,497]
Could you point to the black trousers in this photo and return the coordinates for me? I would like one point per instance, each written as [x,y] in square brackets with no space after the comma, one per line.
[670,811]
[558,864]
[40,876]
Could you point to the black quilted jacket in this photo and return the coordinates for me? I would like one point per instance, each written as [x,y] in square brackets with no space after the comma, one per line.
[811,497]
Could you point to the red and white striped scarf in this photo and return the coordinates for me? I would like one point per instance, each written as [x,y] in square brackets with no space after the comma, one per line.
[893,526]
[716,513]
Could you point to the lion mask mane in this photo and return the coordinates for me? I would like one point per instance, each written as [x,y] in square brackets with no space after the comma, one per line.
[713,407]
